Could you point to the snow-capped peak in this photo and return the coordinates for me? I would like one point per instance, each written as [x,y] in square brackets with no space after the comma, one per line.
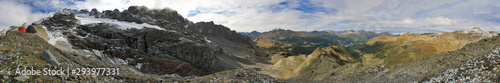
[474,30]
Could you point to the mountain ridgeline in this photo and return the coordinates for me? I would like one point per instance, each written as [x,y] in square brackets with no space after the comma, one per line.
[150,44]
[390,51]
[159,45]
[311,40]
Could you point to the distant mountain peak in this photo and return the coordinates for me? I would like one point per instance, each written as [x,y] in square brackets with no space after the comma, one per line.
[474,30]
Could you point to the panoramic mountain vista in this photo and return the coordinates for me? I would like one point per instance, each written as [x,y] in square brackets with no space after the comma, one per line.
[190,49]
[261,41]
[390,50]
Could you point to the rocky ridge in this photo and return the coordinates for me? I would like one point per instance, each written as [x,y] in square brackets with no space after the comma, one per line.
[168,46]
[425,69]
[315,66]
[413,46]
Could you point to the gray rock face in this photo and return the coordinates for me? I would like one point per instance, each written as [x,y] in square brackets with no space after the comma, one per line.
[47,55]
[158,44]
[115,14]
[22,78]
[30,29]
[62,18]
[94,12]
[83,11]
[183,48]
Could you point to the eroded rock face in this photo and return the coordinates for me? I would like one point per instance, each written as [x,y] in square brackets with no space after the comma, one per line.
[170,20]
[183,47]
[62,18]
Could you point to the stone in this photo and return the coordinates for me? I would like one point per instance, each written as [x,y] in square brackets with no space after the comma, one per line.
[49,57]
[3,73]
[31,29]
[22,78]
[172,76]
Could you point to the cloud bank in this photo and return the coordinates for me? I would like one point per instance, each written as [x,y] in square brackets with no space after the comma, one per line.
[16,14]
[304,15]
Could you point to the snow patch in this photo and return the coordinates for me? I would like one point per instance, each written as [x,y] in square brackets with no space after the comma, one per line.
[86,19]
[3,31]
[474,30]
[107,58]
[56,36]
[478,31]
[208,41]
[120,61]
[139,65]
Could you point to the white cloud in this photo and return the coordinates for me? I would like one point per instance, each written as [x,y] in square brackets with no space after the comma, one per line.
[408,21]
[440,21]
[15,14]
[100,4]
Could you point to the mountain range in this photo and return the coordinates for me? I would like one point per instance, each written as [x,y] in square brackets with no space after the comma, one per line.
[159,45]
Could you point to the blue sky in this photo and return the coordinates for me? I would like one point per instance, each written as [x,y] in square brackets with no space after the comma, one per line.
[303,15]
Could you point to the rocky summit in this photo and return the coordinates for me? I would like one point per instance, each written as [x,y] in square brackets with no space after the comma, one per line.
[141,44]
[146,43]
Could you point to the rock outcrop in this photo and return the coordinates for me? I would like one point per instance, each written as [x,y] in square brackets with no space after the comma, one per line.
[474,62]
[31,29]
[315,66]
[188,48]
[61,19]
[47,55]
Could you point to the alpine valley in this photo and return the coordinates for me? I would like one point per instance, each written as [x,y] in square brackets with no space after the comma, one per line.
[159,45]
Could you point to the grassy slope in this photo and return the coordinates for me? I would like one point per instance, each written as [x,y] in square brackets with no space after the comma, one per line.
[19,50]
[413,46]
[25,50]
[314,66]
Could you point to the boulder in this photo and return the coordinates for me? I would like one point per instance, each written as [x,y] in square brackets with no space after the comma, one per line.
[31,29]
[49,57]
[22,78]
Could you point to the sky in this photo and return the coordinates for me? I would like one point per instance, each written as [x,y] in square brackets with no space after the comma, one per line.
[397,16]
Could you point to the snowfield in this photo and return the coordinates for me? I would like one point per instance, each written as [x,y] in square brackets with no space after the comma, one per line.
[86,19]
